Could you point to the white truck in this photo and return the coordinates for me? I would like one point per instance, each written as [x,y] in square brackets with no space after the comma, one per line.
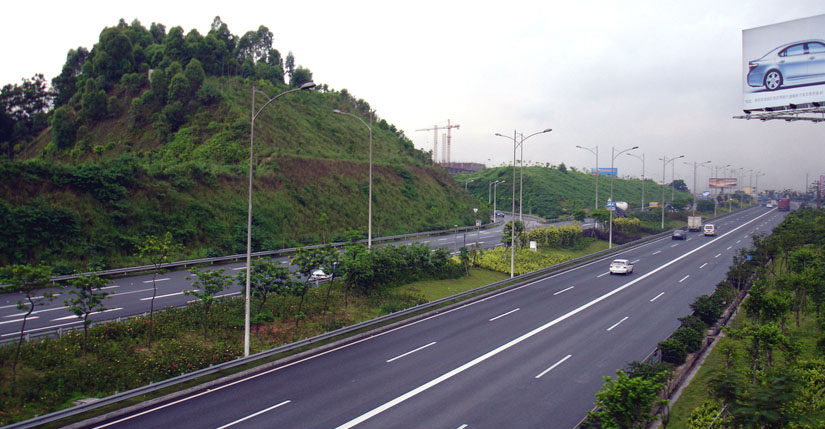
[694,223]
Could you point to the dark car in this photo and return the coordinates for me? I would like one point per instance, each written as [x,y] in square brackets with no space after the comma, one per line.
[795,63]
[678,234]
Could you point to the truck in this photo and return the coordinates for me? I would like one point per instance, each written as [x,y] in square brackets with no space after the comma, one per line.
[784,205]
[694,223]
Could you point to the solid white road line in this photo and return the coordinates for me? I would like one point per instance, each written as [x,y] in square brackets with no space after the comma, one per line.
[167,295]
[17,320]
[450,374]
[703,265]
[28,331]
[618,323]
[657,297]
[563,290]
[158,280]
[684,278]
[553,366]
[410,352]
[74,316]
[253,415]
[502,315]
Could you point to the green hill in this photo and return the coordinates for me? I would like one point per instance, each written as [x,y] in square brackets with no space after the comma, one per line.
[115,155]
[552,192]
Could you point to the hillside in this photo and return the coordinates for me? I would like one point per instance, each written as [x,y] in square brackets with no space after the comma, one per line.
[121,155]
[553,192]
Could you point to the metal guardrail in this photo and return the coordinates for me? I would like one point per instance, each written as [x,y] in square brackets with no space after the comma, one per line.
[380,324]
[275,253]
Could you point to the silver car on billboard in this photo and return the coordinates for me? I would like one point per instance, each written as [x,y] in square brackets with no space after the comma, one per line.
[796,63]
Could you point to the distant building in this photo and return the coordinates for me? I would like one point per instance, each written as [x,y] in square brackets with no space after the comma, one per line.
[461,167]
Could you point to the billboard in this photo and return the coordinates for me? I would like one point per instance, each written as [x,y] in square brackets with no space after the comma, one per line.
[723,182]
[784,64]
[609,172]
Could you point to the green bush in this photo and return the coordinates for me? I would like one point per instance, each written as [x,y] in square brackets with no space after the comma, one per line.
[673,351]
[689,337]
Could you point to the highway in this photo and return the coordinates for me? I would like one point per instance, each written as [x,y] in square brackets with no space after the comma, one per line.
[531,356]
[131,295]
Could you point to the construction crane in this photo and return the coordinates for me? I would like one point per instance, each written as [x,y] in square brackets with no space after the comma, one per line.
[435,129]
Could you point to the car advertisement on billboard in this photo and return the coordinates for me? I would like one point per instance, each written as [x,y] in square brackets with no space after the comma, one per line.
[784,64]
[722,182]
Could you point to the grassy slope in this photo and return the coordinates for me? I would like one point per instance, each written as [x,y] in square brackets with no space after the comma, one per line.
[549,192]
[310,164]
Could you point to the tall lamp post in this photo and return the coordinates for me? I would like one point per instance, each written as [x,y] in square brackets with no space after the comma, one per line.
[613,208]
[595,152]
[642,207]
[254,115]
[369,203]
[695,165]
[495,195]
[665,161]
[521,173]
[468,182]
[516,143]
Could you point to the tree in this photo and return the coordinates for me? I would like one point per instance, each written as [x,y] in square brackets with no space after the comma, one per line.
[289,65]
[28,280]
[464,257]
[88,298]
[208,284]
[299,77]
[627,402]
[266,278]
[506,235]
[157,251]
[195,74]
[680,185]
[64,127]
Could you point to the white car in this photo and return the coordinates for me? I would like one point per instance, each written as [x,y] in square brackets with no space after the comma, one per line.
[709,230]
[621,266]
[319,275]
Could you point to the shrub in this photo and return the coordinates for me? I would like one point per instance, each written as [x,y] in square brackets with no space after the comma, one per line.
[689,337]
[673,351]
[708,309]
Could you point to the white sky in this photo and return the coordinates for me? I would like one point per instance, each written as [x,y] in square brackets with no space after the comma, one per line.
[663,75]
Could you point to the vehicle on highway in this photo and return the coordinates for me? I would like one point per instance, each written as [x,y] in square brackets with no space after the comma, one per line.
[794,63]
[709,229]
[678,234]
[621,266]
[694,223]
[499,213]
[318,275]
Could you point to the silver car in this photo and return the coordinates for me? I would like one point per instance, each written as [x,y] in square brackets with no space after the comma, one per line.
[795,63]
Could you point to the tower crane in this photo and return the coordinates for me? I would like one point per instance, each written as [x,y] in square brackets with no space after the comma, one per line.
[435,129]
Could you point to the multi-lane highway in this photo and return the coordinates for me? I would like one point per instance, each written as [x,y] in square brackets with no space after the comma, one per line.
[531,356]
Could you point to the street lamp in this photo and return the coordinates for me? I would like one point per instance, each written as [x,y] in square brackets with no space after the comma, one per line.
[516,143]
[612,203]
[369,203]
[664,165]
[495,195]
[468,182]
[254,115]
[521,173]
[596,152]
[643,178]
[695,165]
[475,221]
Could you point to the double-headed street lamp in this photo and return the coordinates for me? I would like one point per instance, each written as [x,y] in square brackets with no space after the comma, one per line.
[695,165]
[254,115]
[642,207]
[612,203]
[516,143]
[369,203]
[596,152]
[665,161]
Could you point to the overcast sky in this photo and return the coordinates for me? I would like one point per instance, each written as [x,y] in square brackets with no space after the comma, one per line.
[662,75]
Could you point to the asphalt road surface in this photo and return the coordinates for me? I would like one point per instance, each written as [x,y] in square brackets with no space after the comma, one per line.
[532,356]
